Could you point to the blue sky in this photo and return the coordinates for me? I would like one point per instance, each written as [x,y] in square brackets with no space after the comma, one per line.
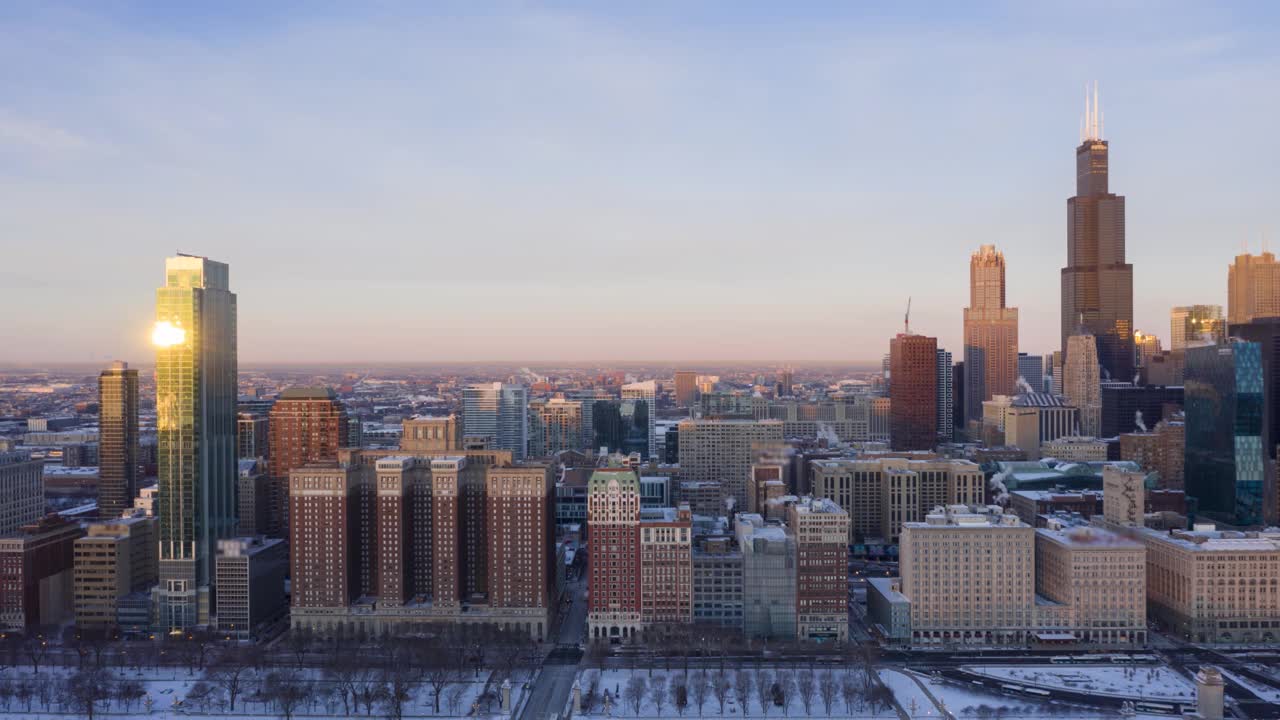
[435,181]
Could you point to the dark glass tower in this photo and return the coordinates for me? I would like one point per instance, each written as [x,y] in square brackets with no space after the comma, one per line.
[1097,283]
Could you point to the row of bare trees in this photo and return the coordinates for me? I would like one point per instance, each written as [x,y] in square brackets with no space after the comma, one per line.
[763,688]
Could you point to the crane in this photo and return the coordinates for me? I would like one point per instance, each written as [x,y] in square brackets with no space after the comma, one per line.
[906,321]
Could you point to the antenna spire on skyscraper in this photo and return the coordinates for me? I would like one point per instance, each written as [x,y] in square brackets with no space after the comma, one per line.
[1092,122]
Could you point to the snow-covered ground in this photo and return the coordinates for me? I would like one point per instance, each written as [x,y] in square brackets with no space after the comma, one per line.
[962,702]
[1145,683]
[790,703]
[1265,692]
[169,694]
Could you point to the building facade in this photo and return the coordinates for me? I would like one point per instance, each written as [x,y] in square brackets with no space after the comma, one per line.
[1225,462]
[1194,325]
[37,574]
[307,425]
[946,397]
[251,573]
[666,565]
[913,413]
[500,412]
[613,517]
[195,339]
[1098,580]
[723,451]
[1097,282]
[821,530]
[1253,288]
[114,559]
[1082,384]
[990,333]
[21,490]
[117,439]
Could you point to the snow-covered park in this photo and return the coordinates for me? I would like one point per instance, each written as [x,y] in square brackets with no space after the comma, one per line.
[249,693]
[922,697]
[790,691]
[1129,682]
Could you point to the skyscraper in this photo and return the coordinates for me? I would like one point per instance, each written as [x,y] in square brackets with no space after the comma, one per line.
[1097,283]
[786,379]
[1253,288]
[1226,460]
[195,339]
[646,392]
[1081,383]
[307,425]
[613,514]
[1031,369]
[686,388]
[990,333]
[554,425]
[118,439]
[1191,325]
[500,412]
[913,412]
[946,397]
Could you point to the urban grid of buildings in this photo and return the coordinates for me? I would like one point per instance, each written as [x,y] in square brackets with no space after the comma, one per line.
[1019,499]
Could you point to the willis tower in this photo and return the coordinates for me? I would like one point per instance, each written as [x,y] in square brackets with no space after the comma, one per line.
[1097,283]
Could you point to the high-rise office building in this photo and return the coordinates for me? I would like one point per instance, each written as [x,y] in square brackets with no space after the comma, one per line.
[117,439]
[1192,325]
[643,397]
[1081,384]
[325,566]
[1226,461]
[115,558]
[786,379]
[21,490]
[990,333]
[195,339]
[913,413]
[821,530]
[1266,333]
[686,388]
[253,439]
[555,425]
[724,450]
[1145,347]
[500,412]
[521,537]
[958,422]
[1253,288]
[946,397]
[1031,370]
[1097,283]
[307,424]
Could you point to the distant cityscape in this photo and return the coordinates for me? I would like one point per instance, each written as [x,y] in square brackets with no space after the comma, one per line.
[1027,527]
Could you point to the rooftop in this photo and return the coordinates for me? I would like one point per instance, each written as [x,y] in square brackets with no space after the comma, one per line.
[1084,536]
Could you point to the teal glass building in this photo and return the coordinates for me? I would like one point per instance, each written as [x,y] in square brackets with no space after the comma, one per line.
[1225,457]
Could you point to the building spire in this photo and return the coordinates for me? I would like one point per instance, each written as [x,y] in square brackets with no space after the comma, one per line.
[1092,122]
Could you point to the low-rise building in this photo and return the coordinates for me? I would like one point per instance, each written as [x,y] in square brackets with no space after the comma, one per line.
[768,577]
[717,582]
[821,531]
[888,610]
[113,559]
[36,574]
[250,573]
[666,582]
[1075,449]
[1213,586]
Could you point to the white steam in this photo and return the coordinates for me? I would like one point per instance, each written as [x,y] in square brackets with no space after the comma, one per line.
[1001,490]
[1137,420]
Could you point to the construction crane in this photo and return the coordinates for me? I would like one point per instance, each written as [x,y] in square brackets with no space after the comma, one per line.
[906,321]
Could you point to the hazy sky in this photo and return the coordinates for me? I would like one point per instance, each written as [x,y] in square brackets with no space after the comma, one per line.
[675,180]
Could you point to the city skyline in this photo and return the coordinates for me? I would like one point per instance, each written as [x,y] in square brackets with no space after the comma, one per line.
[652,161]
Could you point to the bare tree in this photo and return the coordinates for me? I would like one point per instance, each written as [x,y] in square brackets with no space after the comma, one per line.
[129,692]
[287,691]
[742,687]
[785,689]
[848,692]
[658,692]
[869,656]
[86,689]
[764,690]
[720,688]
[229,673]
[805,688]
[453,698]
[680,695]
[828,690]
[439,675]
[882,696]
[36,648]
[300,641]
[635,691]
[399,683]
[699,688]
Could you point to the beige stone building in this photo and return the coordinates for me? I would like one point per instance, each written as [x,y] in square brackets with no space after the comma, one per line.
[1097,581]
[1162,450]
[1215,586]
[113,559]
[970,577]
[882,493]
[1082,382]
[1123,496]
[1253,288]
[1075,449]
[725,450]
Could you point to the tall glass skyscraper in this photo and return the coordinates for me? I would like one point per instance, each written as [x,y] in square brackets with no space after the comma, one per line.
[500,412]
[1225,458]
[195,339]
